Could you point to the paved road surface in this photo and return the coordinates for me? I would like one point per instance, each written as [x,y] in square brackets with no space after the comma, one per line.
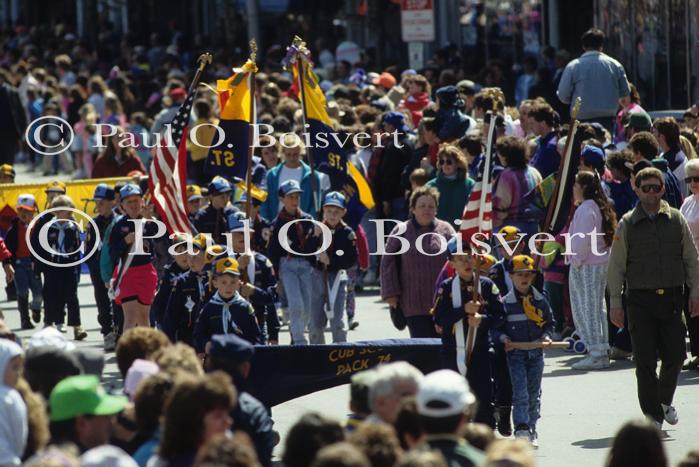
[581,411]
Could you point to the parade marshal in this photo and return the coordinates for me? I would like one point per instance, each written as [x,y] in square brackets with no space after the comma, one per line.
[653,253]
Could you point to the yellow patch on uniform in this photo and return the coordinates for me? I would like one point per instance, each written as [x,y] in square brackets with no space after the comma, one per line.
[352,236]
[495,289]
[268,263]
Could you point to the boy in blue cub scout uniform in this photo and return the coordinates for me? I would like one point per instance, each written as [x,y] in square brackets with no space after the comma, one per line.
[194,198]
[262,229]
[213,218]
[103,197]
[227,312]
[185,291]
[340,256]
[258,283]
[455,311]
[528,318]
[295,271]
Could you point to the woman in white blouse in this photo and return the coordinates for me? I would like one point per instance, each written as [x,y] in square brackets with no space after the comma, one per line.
[690,211]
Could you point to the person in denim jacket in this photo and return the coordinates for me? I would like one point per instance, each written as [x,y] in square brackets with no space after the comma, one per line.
[528,318]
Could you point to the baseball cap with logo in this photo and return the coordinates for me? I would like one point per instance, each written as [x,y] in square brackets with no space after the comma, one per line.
[7,170]
[510,233]
[55,187]
[334,198]
[82,395]
[236,224]
[103,191]
[219,185]
[130,189]
[289,187]
[443,393]
[521,263]
[26,201]
[227,266]
[193,192]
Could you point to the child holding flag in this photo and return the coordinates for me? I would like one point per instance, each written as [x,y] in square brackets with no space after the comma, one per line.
[528,318]
[455,312]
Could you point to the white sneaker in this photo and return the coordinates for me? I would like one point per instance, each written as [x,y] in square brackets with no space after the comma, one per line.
[61,328]
[534,439]
[110,342]
[591,363]
[670,414]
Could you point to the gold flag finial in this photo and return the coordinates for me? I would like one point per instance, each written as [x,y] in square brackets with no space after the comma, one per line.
[576,108]
[253,50]
[204,59]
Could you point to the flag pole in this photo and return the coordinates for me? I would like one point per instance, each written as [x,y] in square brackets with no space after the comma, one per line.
[253,121]
[554,203]
[301,58]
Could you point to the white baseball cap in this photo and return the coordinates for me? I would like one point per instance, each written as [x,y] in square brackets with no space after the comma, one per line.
[26,201]
[443,393]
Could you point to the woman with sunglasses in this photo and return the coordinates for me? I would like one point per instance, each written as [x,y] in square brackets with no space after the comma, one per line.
[690,211]
[591,233]
[452,183]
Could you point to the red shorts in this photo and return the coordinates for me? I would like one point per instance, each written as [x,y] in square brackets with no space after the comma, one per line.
[139,283]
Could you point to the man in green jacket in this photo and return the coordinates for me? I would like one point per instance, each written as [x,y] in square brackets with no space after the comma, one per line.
[654,256]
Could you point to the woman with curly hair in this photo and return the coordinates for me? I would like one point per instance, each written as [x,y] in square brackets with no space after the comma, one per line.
[591,233]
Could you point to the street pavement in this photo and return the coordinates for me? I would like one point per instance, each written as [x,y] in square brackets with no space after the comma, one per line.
[581,411]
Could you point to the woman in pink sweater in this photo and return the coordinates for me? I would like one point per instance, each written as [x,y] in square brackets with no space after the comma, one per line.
[591,233]
[407,280]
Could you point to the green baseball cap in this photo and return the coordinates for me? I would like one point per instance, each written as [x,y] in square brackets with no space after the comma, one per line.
[639,121]
[82,395]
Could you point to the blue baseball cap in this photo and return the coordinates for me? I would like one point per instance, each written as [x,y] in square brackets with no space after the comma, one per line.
[594,157]
[235,224]
[130,189]
[334,198]
[289,187]
[231,347]
[397,119]
[453,246]
[219,185]
[103,191]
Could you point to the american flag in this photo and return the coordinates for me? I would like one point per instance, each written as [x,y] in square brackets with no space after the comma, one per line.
[168,172]
[478,213]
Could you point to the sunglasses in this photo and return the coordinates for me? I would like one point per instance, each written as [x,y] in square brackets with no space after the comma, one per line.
[445,162]
[691,179]
[655,188]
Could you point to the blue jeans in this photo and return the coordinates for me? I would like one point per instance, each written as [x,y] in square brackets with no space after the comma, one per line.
[26,279]
[297,279]
[526,371]
[316,331]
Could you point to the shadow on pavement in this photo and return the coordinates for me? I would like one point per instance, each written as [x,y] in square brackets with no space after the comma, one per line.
[599,443]
[688,377]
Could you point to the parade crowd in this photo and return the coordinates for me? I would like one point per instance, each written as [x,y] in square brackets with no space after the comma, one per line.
[184,314]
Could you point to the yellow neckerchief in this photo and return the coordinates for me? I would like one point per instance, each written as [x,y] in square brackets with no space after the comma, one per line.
[532,312]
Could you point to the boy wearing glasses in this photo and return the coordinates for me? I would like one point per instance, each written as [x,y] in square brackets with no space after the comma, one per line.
[654,254]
